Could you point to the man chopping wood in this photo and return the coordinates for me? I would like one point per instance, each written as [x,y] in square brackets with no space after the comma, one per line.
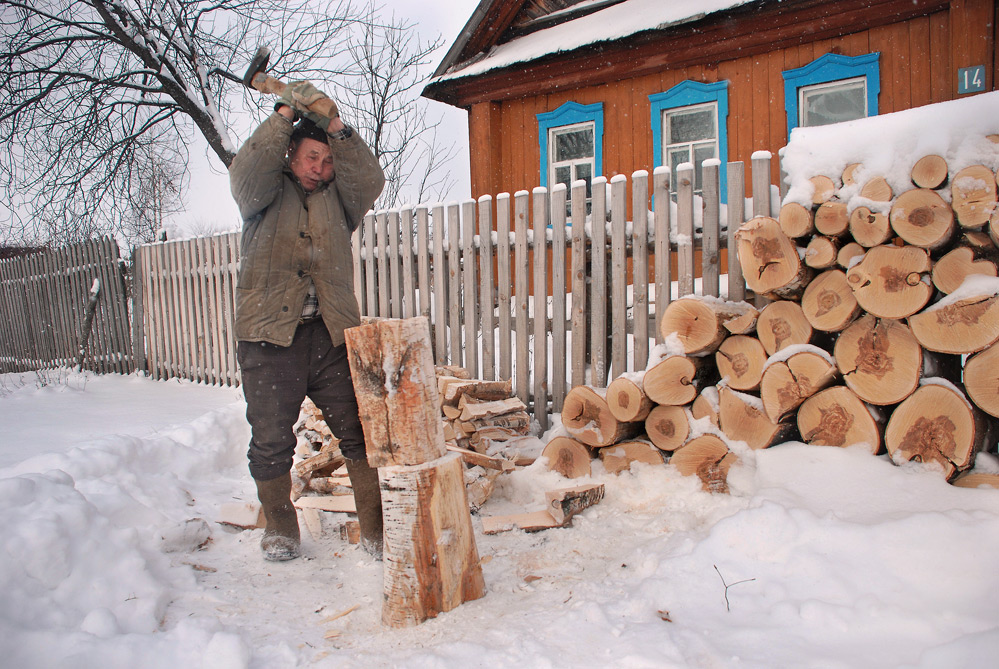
[302,189]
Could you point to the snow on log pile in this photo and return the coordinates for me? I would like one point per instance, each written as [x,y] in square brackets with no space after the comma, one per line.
[881,274]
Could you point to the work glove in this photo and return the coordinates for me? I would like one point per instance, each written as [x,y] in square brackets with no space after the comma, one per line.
[298,95]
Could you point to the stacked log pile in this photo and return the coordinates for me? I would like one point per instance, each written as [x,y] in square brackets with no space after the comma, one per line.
[879,330]
[479,415]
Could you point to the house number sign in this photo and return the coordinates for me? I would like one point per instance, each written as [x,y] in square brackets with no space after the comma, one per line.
[971,79]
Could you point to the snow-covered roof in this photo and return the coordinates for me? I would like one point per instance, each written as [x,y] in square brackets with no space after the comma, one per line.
[613,23]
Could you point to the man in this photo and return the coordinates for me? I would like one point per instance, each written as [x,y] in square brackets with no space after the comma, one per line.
[302,189]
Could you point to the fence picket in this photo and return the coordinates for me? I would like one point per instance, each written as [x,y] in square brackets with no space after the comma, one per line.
[440,288]
[640,267]
[558,319]
[486,284]
[579,291]
[736,209]
[455,297]
[469,289]
[540,300]
[661,216]
[710,229]
[504,285]
[406,250]
[522,351]
[598,295]
[619,277]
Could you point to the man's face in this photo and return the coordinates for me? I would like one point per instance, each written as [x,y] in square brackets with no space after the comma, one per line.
[311,162]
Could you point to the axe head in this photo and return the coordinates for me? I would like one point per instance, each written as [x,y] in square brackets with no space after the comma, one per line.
[257,65]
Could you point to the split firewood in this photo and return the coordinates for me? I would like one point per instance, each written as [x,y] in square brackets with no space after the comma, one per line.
[981,380]
[705,406]
[963,326]
[828,302]
[823,189]
[744,323]
[700,323]
[472,458]
[332,503]
[821,252]
[740,360]
[568,457]
[313,523]
[675,379]
[534,521]
[325,462]
[455,371]
[837,417]
[478,490]
[929,172]
[330,485]
[782,324]
[565,503]
[868,228]
[247,515]
[473,409]
[742,417]
[482,436]
[849,174]
[451,389]
[588,419]
[851,253]
[770,261]
[892,281]
[973,479]
[350,531]
[667,427]
[627,400]
[922,218]
[795,220]
[880,359]
[619,457]
[877,189]
[973,196]
[708,458]
[831,219]
[936,424]
[974,254]
[787,383]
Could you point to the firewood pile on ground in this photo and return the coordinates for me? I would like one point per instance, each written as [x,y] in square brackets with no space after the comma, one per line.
[879,328]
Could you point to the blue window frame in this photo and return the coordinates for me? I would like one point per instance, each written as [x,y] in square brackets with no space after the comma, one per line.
[571,139]
[857,75]
[681,126]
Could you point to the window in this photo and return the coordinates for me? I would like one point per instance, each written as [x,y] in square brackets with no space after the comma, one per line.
[830,89]
[688,126]
[691,134]
[572,157]
[571,139]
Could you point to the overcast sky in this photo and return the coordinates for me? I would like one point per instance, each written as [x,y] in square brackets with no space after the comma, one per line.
[446,18]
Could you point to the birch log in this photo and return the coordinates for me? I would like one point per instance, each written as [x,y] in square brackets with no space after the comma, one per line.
[431,561]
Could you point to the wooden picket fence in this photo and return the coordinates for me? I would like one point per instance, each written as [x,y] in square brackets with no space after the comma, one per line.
[502,308]
[184,308]
[43,300]
[511,286]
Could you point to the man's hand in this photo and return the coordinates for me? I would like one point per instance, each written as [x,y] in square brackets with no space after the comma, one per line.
[330,125]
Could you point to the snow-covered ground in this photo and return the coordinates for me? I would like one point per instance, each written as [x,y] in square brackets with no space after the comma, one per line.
[819,557]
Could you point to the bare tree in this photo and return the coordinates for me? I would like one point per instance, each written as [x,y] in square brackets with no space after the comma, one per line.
[95,89]
[383,99]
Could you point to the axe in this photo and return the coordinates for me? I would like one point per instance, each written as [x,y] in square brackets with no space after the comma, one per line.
[255,77]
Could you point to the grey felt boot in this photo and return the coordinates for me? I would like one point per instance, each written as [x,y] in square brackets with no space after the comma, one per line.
[281,537]
[368,499]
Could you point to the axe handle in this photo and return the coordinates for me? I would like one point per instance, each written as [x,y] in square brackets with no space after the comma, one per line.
[265,84]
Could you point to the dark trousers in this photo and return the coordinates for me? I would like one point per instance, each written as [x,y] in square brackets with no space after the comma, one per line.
[275,381]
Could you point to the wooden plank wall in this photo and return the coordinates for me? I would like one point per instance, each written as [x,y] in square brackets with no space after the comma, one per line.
[918,65]
[43,300]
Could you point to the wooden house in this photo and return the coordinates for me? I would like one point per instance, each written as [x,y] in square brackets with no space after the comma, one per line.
[558,90]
